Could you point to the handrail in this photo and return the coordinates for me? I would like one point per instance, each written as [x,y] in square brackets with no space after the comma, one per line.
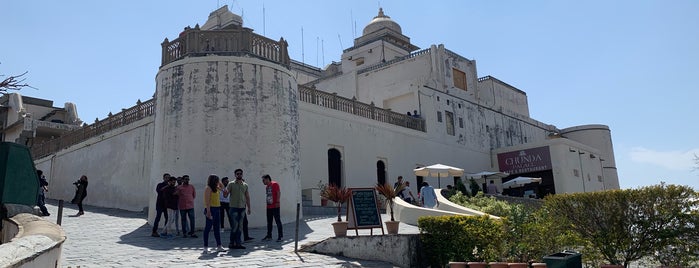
[382,64]
[335,102]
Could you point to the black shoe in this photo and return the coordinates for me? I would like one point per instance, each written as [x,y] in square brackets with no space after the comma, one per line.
[155,234]
[238,247]
[280,239]
[248,239]
[267,238]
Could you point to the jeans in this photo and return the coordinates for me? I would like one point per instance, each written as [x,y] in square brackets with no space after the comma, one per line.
[236,221]
[158,212]
[225,211]
[183,214]
[213,222]
[274,213]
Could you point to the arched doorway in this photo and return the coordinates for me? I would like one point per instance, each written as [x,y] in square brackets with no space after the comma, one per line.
[380,172]
[335,167]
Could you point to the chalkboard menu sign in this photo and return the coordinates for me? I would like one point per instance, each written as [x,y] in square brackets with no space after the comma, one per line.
[363,210]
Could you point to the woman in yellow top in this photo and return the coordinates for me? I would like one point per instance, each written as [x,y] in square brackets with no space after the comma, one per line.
[212,209]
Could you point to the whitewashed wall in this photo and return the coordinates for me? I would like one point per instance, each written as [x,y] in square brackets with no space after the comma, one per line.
[116,163]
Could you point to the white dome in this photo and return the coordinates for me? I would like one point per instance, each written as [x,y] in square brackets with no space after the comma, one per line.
[381,21]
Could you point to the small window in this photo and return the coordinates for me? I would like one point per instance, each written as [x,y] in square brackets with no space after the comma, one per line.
[447,102]
[450,122]
[459,105]
[439,116]
[461,122]
[437,98]
[576,173]
[459,79]
[599,178]
[359,61]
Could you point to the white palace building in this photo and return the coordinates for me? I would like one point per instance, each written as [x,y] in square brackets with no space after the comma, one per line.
[228,98]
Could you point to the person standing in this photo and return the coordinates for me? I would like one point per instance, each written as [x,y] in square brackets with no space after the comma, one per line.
[224,202]
[273,207]
[186,195]
[43,188]
[239,200]
[429,198]
[171,201]
[492,189]
[399,181]
[80,194]
[212,209]
[160,204]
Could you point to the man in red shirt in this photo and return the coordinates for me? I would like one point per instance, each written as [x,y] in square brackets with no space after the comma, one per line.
[273,208]
[186,194]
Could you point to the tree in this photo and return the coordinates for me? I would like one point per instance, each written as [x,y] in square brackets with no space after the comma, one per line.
[12,83]
[627,225]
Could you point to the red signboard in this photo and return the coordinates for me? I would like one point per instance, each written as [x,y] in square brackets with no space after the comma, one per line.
[525,161]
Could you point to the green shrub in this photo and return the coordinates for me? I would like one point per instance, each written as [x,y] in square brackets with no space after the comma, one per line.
[454,238]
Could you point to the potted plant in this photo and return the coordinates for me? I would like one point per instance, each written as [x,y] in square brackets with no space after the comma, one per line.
[390,193]
[339,195]
[321,187]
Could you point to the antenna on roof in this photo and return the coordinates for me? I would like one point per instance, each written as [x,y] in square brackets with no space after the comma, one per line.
[317,49]
[338,37]
[263,20]
[354,29]
[322,49]
[303,58]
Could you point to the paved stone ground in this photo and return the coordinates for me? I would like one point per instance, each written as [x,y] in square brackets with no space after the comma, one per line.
[106,237]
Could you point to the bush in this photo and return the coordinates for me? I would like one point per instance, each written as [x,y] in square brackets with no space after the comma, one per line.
[460,238]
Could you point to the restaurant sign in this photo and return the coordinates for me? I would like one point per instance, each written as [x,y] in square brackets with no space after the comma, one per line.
[525,161]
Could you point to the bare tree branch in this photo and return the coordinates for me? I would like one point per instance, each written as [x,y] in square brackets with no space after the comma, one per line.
[12,83]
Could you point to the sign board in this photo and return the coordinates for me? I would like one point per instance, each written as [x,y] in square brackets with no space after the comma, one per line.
[363,210]
[525,161]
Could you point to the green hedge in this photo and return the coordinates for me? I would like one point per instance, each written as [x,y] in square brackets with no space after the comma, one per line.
[460,238]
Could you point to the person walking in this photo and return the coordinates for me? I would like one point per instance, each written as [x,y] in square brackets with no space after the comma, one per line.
[41,198]
[273,192]
[408,193]
[160,204]
[186,195]
[212,207]
[239,198]
[224,202]
[80,194]
[429,198]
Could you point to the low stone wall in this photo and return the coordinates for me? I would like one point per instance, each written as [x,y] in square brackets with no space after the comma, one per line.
[400,250]
[30,241]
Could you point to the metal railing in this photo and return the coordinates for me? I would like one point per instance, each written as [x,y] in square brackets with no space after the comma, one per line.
[382,64]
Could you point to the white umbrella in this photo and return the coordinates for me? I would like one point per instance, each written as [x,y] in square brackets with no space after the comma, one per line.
[519,182]
[489,174]
[439,171]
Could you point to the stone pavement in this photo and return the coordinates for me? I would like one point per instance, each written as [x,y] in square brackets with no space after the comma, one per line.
[105,237]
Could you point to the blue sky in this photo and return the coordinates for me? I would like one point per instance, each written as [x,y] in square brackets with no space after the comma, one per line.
[631,65]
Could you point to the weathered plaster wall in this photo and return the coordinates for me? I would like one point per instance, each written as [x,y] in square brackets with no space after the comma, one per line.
[116,163]
[218,113]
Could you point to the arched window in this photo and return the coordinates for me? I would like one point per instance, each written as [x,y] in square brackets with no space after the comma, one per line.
[380,172]
[334,167]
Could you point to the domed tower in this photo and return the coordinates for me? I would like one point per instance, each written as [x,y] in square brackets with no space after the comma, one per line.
[382,40]
[226,99]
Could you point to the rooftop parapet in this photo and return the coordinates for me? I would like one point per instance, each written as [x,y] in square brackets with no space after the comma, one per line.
[195,42]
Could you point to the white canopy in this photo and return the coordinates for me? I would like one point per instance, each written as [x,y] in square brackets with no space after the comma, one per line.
[439,171]
[519,182]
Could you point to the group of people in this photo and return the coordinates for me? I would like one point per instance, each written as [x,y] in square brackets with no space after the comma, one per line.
[426,197]
[221,198]
[80,193]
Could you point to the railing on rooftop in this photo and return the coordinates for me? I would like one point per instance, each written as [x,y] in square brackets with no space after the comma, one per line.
[195,42]
[125,117]
[352,106]
[147,108]
[382,64]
